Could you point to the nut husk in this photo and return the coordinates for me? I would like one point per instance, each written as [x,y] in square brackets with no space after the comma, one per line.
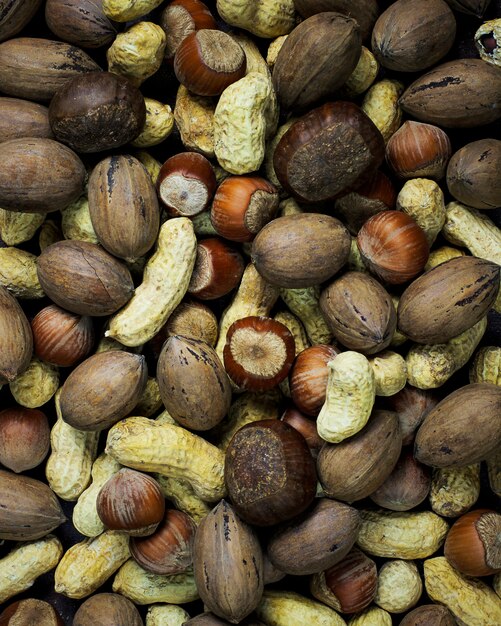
[39,175]
[22,118]
[103,389]
[331,43]
[35,68]
[123,206]
[365,12]
[28,612]
[448,299]
[228,564]
[464,93]
[194,386]
[80,22]
[83,278]
[107,609]
[14,15]
[29,509]
[463,428]
[16,339]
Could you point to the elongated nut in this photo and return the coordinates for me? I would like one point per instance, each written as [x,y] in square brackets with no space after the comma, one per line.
[305,304]
[287,608]
[25,563]
[149,446]
[454,490]
[88,564]
[381,105]
[351,391]
[399,586]
[423,200]
[468,599]
[36,385]
[390,372]
[18,273]
[165,281]
[264,18]
[143,587]
[158,125]
[401,535]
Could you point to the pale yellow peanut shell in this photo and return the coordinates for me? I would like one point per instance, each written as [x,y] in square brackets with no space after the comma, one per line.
[88,564]
[36,385]
[273,50]
[146,445]
[355,262]
[202,225]
[390,372]
[287,608]
[490,27]
[303,302]
[296,328]
[49,234]
[150,163]
[423,200]
[494,472]
[166,615]
[349,398]
[399,586]
[18,273]
[194,116]
[25,563]
[157,127]
[401,535]
[363,75]
[76,222]
[271,144]
[373,616]
[381,105]
[73,451]
[17,227]
[398,337]
[264,18]
[454,490]
[430,366]
[496,583]
[441,255]
[150,401]
[288,206]
[254,60]
[471,601]
[486,366]
[182,496]
[128,10]
[143,587]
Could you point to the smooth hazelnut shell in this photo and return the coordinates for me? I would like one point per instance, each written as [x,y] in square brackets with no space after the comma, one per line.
[29,612]
[60,337]
[132,502]
[393,246]
[429,615]
[306,427]
[24,438]
[179,19]
[411,405]
[218,269]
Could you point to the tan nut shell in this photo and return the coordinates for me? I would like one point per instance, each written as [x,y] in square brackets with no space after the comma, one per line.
[454,490]
[16,339]
[399,586]
[287,608]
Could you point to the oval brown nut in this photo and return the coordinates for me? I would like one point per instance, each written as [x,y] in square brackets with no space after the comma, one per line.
[365,12]
[83,278]
[14,15]
[448,299]
[301,250]
[459,94]
[429,614]
[80,22]
[107,609]
[16,338]
[21,118]
[103,389]
[35,68]
[29,509]
[194,386]
[464,428]
[39,175]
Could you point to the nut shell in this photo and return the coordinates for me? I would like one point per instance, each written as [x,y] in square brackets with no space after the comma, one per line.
[365,12]
[24,438]
[28,612]
[15,15]
[107,609]
[16,339]
[21,118]
[80,22]
[429,614]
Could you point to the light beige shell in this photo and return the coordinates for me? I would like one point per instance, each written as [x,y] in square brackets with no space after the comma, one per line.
[76,222]
[150,163]
[494,27]
[143,587]
[304,304]
[454,490]
[486,366]
[399,586]
[128,10]
[381,105]
[49,234]
[373,616]
[274,49]
[390,372]
[296,328]
[363,75]
[150,401]
[423,200]
[18,273]
[36,385]
[166,615]
[194,116]
[16,228]
[271,144]
[286,608]
[158,125]
[264,18]
[441,255]
[183,497]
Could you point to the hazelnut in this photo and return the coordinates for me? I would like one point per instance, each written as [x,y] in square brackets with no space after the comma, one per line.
[306,427]
[24,438]
[179,19]
[218,269]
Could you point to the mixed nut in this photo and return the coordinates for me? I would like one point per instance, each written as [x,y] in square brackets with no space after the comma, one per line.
[249,290]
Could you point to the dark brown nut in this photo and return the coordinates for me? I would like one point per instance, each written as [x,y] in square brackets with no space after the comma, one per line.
[411,405]
[315,541]
[194,386]
[16,339]
[448,299]
[301,250]
[107,609]
[218,269]
[39,175]
[80,22]
[365,12]
[29,509]
[169,550]
[463,428]
[407,486]
[97,111]
[306,427]
[359,312]
[103,389]
[470,7]
[459,94]
[228,564]
[28,612]
[429,615]
[374,463]
[472,174]
[412,35]
[123,207]
[35,68]
[328,152]
[330,42]
[179,19]
[15,15]
[269,472]
[83,278]
[208,619]
[131,502]
[21,118]
[24,438]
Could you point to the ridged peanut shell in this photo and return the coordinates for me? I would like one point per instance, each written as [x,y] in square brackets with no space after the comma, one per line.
[39,175]
[228,564]
[35,68]
[15,15]
[22,118]
[464,428]
[29,509]
[330,42]
[16,339]
[301,250]
[448,299]
[123,206]
[464,93]
[365,12]
[83,278]
[194,386]
[103,389]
